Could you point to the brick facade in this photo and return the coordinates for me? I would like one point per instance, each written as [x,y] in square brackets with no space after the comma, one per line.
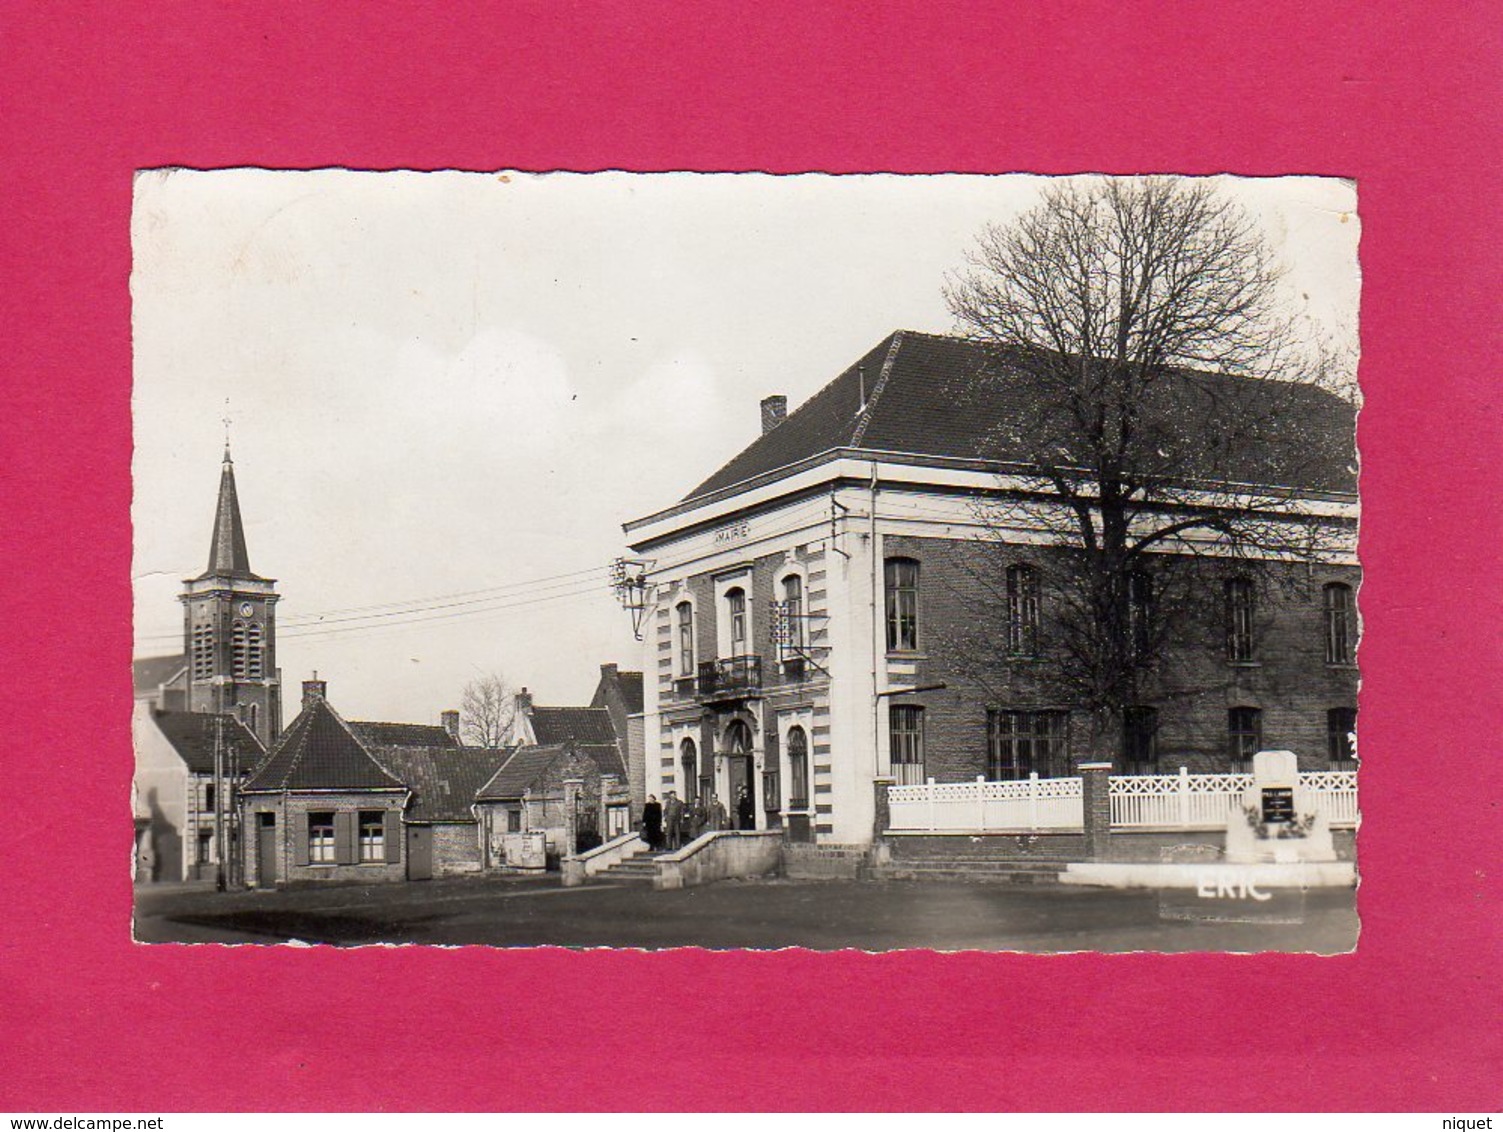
[290,813]
[1289,680]
[456,848]
[864,473]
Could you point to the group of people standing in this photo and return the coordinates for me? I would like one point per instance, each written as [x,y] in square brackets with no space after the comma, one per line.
[671,824]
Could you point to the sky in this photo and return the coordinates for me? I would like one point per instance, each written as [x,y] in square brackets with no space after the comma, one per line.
[447,391]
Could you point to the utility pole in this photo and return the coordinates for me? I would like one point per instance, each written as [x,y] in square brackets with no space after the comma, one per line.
[232,801]
[219,884]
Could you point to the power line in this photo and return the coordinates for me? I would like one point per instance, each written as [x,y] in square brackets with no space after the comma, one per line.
[310,631]
[525,590]
[462,593]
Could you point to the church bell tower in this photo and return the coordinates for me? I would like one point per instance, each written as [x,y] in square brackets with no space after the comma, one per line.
[230,628]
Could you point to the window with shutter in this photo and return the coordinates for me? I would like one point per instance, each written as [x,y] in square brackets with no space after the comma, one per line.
[372,837]
[393,835]
[315,841]
[344,838]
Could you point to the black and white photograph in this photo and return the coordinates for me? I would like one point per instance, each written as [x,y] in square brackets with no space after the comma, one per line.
[744,561]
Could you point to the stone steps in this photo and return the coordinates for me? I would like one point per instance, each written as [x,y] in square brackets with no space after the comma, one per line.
[641,869]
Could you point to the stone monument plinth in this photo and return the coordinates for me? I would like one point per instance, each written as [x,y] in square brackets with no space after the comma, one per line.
[1277,820]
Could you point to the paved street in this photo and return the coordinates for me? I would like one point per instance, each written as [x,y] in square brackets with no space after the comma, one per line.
[751,914]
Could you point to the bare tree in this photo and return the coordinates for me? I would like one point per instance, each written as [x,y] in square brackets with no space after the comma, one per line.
[487,708]
[1162,397]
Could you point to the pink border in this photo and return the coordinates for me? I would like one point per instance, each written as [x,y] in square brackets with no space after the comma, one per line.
[1401,96]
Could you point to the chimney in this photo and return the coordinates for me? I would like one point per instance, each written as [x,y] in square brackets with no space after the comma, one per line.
[451,723]
[524,702]
[774,412]
[314,690]
[608,671]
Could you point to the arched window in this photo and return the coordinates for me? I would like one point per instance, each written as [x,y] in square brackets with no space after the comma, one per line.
[737,738]
[1022,742]
[793,613]
[238,650]
[1244,735]
[685,638]
[1339,623]
[252,714]
[254,667]
[203,652]
[1022,611]
[798,769]
[902,577]
[735,607]
[689,759]
[1341,738]
[906,737]
[1239,619]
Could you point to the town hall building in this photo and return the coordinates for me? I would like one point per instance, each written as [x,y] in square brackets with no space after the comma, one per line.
[812,608]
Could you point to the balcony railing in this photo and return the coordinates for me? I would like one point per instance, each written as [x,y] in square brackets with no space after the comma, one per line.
[730,677]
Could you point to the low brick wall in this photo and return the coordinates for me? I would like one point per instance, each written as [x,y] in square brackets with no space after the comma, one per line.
[1146,846]
[824,862]
[1006,847]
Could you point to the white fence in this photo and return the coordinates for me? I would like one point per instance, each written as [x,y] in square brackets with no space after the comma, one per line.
[1201,801]
[1182,801]
[1031,803]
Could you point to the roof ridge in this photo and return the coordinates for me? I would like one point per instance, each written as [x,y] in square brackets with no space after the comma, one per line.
[350,731]
[871,403]
[302,744]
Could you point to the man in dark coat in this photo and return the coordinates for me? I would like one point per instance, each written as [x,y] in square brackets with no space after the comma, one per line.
[673,821]
[652,823]
[746,814]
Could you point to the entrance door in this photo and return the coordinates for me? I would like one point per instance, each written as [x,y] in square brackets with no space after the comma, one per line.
[740,768]
[266,850]
[743,800]
[419,852]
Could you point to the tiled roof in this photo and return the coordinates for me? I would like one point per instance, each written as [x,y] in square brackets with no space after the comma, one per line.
[320,752]
[519,772]
[528,764]
[150,672]
[443,779]
[581,724]
[931,395]
[607,757]
[191,734]
[401,734]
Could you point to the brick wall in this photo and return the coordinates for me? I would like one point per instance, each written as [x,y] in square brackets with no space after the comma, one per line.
[456,848]
[987,847]
[1290,683]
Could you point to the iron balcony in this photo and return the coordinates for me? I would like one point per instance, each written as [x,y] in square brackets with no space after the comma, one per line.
[730,678]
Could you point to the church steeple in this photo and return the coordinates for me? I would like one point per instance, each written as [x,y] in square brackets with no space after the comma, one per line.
[230,627]
[227,554]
